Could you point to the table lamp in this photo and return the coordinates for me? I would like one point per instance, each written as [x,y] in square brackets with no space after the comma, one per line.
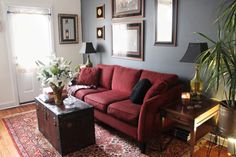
[87,48]
[190,56]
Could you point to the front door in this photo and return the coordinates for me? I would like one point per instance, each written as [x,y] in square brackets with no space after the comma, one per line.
[31,40]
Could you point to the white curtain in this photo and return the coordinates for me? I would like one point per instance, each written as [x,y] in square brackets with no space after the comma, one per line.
[31,38]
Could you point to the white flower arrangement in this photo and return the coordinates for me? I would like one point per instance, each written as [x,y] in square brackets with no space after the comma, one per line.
[57,72]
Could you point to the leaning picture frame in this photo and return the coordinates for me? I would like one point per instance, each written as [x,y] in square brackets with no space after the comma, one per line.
[68,28]
[127,40]
[124,8]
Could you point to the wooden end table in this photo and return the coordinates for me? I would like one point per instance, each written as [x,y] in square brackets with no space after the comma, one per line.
[68,130]
[192,118]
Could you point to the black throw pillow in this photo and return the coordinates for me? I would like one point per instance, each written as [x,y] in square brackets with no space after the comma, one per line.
[139,91]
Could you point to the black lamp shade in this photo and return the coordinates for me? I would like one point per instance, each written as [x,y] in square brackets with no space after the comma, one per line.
[193,51]
[86,47]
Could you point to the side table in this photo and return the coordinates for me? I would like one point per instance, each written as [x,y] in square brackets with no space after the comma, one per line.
[191,118]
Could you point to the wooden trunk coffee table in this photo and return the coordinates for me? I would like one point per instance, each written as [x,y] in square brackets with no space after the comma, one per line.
[68,130]
[192,118]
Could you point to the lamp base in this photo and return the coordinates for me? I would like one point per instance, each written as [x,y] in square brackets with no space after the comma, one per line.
[196,85]
[88,62]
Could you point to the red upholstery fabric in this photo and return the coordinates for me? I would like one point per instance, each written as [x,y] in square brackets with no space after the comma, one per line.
[150,109]
[80,94]
[170,79]
[101,100]
[116,123]
[161,82]
[124,79]
[88,76]
[125,110]
[106,72]
[158,88]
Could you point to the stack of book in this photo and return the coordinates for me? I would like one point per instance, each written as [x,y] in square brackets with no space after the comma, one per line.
[181,134]
[47,95]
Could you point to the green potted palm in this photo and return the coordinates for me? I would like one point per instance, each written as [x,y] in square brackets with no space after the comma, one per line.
[218,65]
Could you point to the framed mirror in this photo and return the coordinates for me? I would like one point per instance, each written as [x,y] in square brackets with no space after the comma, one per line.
[166,22]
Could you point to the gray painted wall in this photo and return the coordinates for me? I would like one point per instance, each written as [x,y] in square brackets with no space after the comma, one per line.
[193,16]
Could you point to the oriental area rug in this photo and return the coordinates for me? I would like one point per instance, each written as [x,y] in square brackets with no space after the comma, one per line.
[23,129]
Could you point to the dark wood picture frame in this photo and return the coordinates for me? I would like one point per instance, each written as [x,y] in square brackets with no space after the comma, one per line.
[127,10]
[101,32]
[100,12]
[173,31]
[129,45]
[68,28]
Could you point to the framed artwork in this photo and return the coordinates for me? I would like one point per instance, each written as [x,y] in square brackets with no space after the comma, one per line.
[68,28]
[127,40]
[166,22]
[100,11]
[127,8]
[101,32]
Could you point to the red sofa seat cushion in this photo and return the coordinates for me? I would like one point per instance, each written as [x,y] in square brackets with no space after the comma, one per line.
[101,100]
[125,110]
[106,72]
[124,79]
[88,76]
[80,94]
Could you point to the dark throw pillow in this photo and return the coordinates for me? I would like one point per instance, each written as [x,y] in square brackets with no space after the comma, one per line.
[139,91]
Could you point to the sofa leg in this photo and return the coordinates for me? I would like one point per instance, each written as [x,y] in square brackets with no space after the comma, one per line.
[142,147]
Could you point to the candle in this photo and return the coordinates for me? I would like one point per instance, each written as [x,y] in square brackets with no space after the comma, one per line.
[185,96]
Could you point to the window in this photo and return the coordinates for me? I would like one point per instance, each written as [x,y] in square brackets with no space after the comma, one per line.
[31,37]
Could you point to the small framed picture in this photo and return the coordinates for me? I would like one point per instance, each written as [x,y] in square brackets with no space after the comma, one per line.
[100,11]
[68,28]
[101,32]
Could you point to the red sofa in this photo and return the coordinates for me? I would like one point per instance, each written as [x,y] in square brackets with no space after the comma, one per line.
[113,107]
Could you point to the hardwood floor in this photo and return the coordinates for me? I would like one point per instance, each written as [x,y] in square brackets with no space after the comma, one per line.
[7,148]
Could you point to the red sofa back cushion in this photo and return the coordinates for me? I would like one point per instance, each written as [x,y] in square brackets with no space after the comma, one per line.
[161,82]
[170,79]
[124,79]
[106,72]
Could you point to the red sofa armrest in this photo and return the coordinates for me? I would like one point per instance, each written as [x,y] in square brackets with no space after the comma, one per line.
[149,115]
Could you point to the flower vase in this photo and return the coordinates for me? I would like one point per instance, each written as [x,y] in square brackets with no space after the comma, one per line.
[57,94]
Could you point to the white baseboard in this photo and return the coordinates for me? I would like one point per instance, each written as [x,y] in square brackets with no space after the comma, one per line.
[9,104]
